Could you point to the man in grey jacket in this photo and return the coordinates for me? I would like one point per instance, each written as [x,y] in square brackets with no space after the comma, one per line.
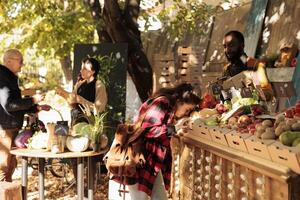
[12,109]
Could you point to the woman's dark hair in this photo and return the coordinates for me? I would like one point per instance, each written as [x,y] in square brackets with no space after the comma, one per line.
[183,93]
[95,65]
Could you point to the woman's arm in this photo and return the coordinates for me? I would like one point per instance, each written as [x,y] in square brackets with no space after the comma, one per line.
[101,97]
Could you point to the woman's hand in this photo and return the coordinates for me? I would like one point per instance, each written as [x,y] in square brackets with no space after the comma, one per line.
[37,98]
[181,126]
[43,107]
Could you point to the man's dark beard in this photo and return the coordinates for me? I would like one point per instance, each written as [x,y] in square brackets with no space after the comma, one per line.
[234,58]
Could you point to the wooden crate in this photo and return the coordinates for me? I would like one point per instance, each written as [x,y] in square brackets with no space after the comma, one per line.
[218,135]
[288,156]
[258,147]
[201,130]
[237,141]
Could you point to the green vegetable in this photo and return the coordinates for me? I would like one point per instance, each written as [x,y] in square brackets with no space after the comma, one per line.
[288,137]
[212,121]
[296,142]
[77,127]
[86,130]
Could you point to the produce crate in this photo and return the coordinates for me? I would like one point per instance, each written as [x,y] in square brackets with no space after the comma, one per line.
[259,147]
[218,135]
[237,141]
[201,130]
[285,155]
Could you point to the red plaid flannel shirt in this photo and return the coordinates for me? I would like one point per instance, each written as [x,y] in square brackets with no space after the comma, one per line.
[157,145]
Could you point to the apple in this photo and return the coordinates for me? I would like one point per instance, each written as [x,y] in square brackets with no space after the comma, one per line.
[220,108]
[289,113]
[244,119]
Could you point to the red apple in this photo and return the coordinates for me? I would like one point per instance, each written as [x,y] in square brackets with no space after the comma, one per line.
[288,113]
[220,108]
[244,119]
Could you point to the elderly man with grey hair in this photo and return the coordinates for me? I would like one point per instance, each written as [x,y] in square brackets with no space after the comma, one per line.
[12,109]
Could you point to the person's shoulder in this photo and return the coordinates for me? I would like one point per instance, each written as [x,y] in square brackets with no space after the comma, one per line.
[4,72]
[226,66]
[162,100]
[99,83]
[253,62]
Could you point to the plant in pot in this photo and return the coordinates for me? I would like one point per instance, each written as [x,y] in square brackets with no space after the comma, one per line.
[93,129]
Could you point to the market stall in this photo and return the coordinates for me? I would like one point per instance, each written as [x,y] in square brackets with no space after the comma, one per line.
[244,142]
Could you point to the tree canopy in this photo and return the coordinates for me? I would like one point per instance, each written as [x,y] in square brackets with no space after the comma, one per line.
[52,27]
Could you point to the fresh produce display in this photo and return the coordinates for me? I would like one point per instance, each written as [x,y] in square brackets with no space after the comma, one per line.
[208,101]
[38,141]
[33,125]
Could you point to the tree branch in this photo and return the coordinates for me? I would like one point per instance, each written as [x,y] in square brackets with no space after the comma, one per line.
[95,8]
[131,13]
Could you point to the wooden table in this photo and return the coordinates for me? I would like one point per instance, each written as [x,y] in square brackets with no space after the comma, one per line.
[43,154]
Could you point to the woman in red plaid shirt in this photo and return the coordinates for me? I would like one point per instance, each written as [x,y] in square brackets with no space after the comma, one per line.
[163,109]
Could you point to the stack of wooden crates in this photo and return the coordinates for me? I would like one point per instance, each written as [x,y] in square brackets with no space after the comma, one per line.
[190,66]
[164,71]
[170,70]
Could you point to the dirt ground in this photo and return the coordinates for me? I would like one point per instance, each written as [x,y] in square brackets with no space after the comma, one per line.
[55,187]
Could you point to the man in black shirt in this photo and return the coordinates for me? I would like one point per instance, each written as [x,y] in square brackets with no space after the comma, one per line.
[234,44]
[12,109]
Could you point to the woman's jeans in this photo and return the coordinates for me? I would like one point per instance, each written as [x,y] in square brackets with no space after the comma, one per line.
[158,192]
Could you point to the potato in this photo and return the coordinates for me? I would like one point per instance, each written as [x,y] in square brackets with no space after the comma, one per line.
[279,130]
[281,123]
[270,130]
[257,126]
[267,136]
[290,122]
[267,123]
[261,129]
[258,134]
[286,127]
[296,127]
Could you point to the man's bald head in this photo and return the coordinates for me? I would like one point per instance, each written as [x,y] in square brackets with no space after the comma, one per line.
[13,60]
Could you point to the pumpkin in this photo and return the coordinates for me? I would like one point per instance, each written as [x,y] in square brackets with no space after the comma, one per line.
[77,143]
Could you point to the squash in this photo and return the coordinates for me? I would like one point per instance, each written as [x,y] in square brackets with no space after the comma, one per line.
[77,143]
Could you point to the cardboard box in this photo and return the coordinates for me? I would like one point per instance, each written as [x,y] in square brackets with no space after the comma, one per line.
[258,147]
[285,155]
[218,135]
[237,141]
[201,130]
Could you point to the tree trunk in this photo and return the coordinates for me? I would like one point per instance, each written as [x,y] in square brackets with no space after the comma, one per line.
[121,26]
[66,67]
